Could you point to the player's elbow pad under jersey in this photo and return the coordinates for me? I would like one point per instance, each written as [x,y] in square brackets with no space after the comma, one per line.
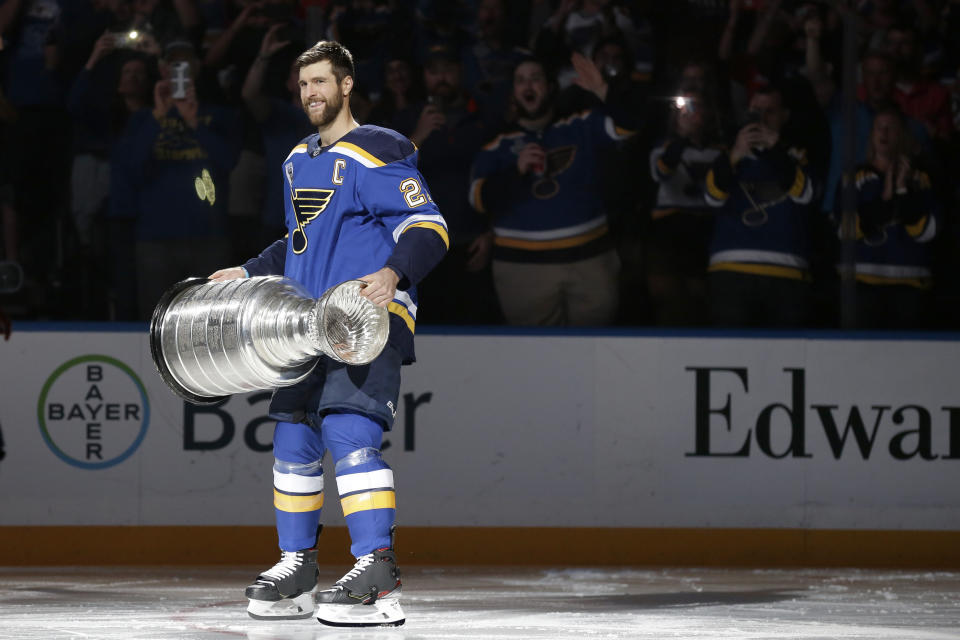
[418,251]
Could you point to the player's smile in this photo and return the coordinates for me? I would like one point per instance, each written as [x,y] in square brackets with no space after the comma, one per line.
[320,93]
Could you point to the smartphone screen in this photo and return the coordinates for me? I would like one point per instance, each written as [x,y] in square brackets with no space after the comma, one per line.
[180,79]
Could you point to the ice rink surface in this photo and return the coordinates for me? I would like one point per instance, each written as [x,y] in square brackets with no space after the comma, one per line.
[509,603]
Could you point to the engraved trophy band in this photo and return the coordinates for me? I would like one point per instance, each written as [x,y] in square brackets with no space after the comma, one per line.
[213,339]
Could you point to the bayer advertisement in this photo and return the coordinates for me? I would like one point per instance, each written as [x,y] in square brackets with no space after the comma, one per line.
[93,412]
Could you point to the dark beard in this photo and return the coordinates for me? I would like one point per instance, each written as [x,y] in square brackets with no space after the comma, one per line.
[330,112]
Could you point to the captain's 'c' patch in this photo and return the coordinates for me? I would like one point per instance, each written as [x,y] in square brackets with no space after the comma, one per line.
[307,205]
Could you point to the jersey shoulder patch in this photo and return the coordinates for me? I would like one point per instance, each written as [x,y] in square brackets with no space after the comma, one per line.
[374,146]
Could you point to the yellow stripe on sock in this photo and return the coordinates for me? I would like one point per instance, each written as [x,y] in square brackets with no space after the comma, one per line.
[369,500]
[297,504]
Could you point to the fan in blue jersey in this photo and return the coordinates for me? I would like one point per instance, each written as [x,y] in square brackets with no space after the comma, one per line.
[897,218]
[759,271]
[355,208]
[539,184]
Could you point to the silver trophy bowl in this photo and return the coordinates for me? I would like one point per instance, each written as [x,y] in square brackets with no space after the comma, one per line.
[213,339]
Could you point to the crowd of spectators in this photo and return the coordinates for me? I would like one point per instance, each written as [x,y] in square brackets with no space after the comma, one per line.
[599,162]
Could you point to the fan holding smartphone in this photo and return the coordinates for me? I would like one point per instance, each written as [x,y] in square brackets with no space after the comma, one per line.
[178,157]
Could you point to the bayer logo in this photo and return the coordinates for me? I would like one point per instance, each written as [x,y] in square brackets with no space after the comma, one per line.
[93,412]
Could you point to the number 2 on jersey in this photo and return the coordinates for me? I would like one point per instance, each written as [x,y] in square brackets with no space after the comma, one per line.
[413,193]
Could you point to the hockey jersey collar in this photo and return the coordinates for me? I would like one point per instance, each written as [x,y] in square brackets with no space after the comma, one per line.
[314,147]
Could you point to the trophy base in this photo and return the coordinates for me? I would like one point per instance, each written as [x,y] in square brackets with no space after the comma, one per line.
[156,351]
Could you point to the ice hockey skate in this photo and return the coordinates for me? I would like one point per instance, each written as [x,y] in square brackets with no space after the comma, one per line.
[286,590]
[367,596]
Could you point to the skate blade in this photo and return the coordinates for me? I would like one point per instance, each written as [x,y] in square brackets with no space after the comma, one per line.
[298,608]
[382,613]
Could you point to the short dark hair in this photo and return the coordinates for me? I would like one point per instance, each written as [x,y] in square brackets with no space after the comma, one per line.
[548,70]
[338,55]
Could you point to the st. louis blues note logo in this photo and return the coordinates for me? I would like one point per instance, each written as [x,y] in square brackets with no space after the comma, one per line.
[307,205]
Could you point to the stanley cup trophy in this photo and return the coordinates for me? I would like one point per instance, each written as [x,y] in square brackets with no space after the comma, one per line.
[213,339]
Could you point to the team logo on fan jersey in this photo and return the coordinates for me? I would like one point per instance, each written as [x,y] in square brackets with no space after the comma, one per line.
[307,205]
[558,160]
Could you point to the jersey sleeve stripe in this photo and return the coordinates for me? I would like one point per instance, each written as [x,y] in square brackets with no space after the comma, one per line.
[436,218]
[405,298]
[714,191]
[358,154]
[924,229]
[476,190]
[614,132]
[800,186]
[432,225]
[400,310]
[300,148]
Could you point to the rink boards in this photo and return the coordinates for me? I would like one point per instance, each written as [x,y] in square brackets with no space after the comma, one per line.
[514,447]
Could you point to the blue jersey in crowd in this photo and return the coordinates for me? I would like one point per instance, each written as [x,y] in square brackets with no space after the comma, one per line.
[762,225]
[558,215]
[352,208]
[893,236]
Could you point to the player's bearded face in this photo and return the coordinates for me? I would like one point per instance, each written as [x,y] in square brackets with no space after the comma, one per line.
[320,94]
[322,110]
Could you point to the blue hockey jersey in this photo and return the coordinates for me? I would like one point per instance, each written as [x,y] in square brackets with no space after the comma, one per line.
[557,216]
[352,208]
[762,203]
[894,236]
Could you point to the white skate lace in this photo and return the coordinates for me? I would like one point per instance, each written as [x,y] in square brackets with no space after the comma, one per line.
[290,561]
[362,563]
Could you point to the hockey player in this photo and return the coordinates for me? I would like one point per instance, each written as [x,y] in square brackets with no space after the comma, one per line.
[356,208]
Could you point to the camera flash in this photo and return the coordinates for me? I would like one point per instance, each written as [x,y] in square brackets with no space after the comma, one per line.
[133,35]
[680,102]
